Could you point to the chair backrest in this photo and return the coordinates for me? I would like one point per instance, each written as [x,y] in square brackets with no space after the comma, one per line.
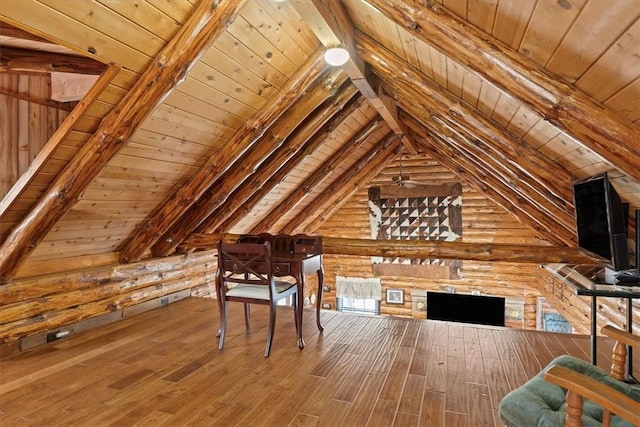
[247,263]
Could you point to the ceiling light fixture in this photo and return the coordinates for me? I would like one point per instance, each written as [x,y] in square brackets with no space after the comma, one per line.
[336,55]
[402,180]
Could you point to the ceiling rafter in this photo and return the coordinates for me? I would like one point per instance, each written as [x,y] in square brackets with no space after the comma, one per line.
[8,30]
[13,60]
[226,217]
[480,178]
[168,69]
[147,235]
[531,182]
[568,108]
[330,22]
[321,173]
[57,138]
[278,142]
[342,188]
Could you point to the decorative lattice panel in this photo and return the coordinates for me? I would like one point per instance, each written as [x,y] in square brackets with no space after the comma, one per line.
[418,213]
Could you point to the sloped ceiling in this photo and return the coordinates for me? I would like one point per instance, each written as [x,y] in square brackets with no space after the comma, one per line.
[226,118]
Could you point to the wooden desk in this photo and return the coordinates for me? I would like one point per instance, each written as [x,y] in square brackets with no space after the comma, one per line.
[296,256]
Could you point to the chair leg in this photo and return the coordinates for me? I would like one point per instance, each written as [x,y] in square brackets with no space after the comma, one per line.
[223,322]
[220,301]
[247,315]
[272,325]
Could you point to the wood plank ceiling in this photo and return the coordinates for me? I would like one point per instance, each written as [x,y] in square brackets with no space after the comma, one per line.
[222,116]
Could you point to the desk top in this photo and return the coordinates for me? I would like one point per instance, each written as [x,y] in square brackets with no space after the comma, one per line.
[585,286]
[295,247]
[292,257]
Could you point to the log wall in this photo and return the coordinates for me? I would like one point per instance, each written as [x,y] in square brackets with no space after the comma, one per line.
[577,309]
[28,123]
[482,222]
[43,303]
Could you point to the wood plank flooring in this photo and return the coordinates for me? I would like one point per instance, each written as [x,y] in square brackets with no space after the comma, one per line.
[163,368]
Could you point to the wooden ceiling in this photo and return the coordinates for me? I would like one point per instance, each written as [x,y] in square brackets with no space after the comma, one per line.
[227,119]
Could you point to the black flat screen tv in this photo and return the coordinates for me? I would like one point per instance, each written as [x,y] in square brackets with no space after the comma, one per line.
[483,310]
[600,221]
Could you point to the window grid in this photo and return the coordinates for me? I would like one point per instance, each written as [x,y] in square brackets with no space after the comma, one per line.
[358,305]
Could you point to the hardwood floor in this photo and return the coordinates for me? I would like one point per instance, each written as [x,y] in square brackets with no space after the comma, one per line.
[163,368]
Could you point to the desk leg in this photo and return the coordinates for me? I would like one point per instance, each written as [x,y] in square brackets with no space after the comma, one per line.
[300,280]
[594,332]
[630,330]
[319,300]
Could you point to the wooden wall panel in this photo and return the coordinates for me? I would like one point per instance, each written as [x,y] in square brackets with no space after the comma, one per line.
[26,126]
[482,222]
[41,303]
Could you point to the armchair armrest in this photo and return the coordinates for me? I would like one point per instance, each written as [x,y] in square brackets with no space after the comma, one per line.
[580,386]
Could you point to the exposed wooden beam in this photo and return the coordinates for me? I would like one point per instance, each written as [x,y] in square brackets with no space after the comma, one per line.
[568,108]
[167,70]
[483,180]
[9,30]
[341,189]
[278,141]
[226,217]
[528,179]
[306,140]
[510,165]
[57,138]
[220,162]
[433,249]
[321,173]
[330,22]
[64,106]
[37,61]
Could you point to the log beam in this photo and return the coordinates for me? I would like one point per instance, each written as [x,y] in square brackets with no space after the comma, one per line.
[274,148]
[483,179]
[218,164]
[57,138]
[342,188]
[569,109]
[321,173]
[13,60]
[166,71]
[529,179]
[509,173]
[64,106]
[332,25]
[226,217]
[8,30]
[434,249]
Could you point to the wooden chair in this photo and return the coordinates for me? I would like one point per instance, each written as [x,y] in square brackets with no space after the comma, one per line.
[573,392]
[244,274]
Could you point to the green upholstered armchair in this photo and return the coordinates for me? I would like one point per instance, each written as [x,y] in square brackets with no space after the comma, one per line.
[573,392]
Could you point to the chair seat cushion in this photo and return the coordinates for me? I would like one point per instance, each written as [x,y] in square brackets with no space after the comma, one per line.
[257,291]
[541,403]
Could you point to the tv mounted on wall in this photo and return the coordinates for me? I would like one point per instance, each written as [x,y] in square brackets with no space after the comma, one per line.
[601,222]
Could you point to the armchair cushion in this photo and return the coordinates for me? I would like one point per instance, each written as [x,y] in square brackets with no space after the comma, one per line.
[541,403]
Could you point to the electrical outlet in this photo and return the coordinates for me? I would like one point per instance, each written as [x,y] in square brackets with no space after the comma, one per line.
[51,336]
[56,335]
